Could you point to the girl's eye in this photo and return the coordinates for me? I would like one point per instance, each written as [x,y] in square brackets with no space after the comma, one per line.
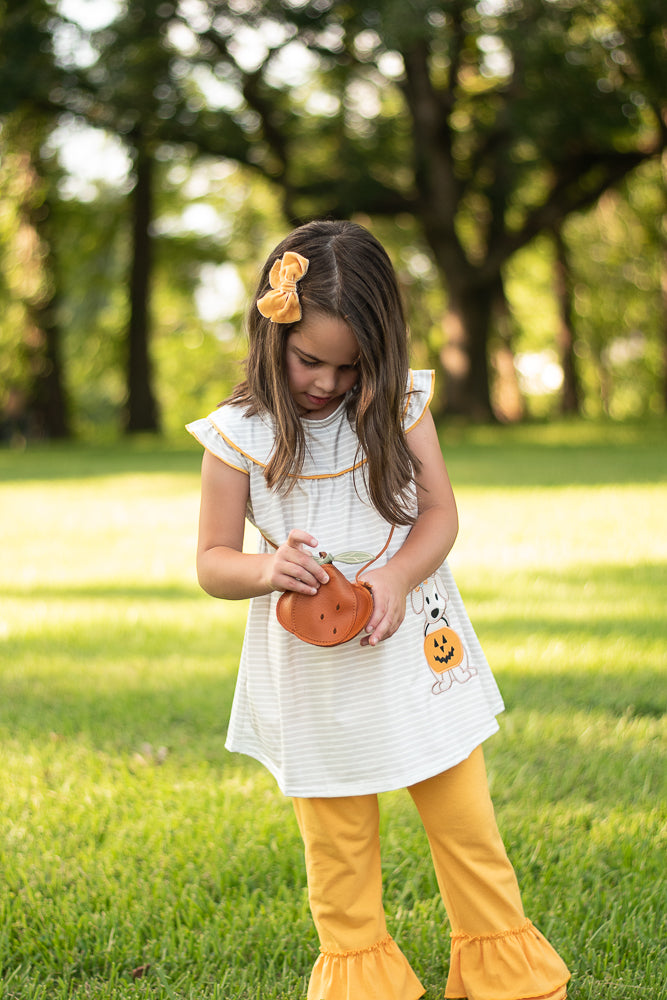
[315,364]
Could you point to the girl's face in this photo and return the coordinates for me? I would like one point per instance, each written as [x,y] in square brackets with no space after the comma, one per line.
[321,359]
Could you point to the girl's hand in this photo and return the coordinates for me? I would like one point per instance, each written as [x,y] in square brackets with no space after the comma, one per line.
[291,567]
[389,596]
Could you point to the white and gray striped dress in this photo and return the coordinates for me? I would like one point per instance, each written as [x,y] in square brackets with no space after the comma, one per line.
[349,720]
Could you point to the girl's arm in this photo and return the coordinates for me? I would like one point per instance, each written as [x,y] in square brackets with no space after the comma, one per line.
[223,569]
[429,542]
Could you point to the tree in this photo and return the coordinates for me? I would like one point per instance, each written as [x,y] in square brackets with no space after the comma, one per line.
[127,79]
[615,265]
[140,88]
[571,392]
[127,91]
[27,76]
[488,121]
[491,121]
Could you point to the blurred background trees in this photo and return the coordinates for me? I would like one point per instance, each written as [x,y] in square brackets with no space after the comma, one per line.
[509,153]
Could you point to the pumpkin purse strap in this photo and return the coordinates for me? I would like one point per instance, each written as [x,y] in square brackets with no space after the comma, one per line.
[375,558]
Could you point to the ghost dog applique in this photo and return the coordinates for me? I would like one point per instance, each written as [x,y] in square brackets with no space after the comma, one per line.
[444,651]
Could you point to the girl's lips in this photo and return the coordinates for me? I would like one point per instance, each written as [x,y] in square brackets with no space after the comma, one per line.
[318,400]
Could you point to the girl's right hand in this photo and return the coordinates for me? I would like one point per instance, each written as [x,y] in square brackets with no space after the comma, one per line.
[293,568]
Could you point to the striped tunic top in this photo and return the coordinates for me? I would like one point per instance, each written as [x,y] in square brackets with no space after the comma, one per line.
[349,720]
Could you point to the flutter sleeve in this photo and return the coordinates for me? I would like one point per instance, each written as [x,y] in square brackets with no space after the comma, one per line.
[419,394]
[234,437]
[209,432]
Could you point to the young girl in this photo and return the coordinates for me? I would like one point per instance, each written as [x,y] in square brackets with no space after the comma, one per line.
[328,444]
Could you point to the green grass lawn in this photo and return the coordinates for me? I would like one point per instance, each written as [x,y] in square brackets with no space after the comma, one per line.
[130,838]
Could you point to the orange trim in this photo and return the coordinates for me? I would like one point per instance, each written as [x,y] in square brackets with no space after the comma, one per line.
[231,444]
[378,946]
[426,404]
[215,455]
[411,389]
[329,475]
[527,925]
[262,465]
[225,461]
[334,475]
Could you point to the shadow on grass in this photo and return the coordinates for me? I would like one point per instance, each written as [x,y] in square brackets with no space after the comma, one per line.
[59,462]
[604,601]
[557,454]
[624,632]
[533,465]
[612,580]
[620,586]
[183,706]
[105,592]
[179,695]
[545,750]
[618,683]
[579,454]
[628,639]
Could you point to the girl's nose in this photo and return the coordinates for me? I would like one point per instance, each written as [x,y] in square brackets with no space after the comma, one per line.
[326,380]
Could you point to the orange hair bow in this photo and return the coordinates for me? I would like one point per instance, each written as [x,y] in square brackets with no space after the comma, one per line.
[282,304]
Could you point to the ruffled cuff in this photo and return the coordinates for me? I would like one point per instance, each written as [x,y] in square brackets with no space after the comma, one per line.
[515,965]
[381,972]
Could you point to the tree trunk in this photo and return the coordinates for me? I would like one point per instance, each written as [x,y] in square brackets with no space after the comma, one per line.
[46,411]
[142,412]
[570,403]
[506,398]
[663,286]
[464,355]
[46,400]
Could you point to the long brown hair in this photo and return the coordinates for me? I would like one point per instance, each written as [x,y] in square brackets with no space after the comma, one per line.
[350,277]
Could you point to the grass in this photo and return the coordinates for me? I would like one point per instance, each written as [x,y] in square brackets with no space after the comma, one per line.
[129,838]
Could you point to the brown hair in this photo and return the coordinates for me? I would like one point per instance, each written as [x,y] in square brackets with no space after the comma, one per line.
[350,277]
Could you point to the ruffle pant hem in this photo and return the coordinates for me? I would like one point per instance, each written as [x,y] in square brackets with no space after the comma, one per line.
[496,953]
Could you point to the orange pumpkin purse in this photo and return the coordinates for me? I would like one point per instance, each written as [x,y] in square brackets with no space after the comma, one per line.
[337,612]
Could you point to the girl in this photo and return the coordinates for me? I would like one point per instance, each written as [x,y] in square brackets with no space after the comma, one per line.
[328,442]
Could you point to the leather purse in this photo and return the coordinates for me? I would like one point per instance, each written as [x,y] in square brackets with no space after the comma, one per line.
[337,612]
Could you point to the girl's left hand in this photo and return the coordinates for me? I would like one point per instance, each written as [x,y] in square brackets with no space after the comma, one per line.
[389,598]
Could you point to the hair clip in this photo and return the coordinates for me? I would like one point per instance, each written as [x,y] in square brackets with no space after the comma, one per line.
[282,304]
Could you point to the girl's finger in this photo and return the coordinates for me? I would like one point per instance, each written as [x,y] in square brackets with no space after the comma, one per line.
[306,570]
[297,537]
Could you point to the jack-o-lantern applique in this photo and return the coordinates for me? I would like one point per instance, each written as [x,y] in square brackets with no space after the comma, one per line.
[443,649]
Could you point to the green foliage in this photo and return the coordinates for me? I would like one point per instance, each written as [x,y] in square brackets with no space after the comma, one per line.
[620,314]
[93,257]
[199,310]
[28,71]
[619,317]
[196,356]
[288,110]
[130,838]
[28,286]
[13,370]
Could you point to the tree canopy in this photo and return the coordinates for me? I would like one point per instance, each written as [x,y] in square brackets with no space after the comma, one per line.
[487,123]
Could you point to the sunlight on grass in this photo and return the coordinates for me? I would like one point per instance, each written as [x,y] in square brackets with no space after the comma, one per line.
[131,529]
[129,838]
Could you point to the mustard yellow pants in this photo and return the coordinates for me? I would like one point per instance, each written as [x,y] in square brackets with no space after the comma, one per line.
[497,954]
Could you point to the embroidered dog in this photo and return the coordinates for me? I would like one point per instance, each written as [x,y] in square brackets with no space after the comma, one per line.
[443,647]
